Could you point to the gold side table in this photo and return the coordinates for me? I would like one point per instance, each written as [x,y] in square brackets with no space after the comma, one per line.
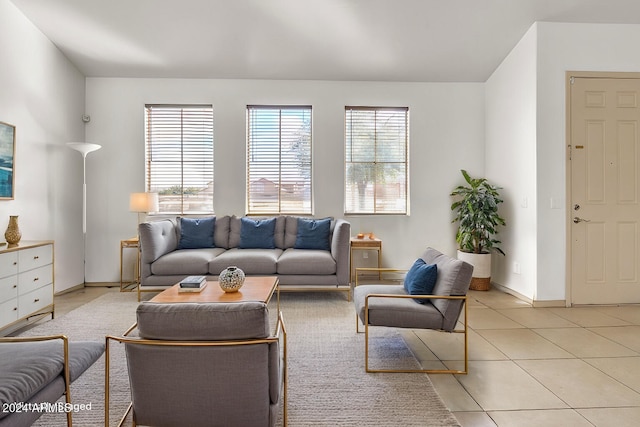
[367,244]
[130,285]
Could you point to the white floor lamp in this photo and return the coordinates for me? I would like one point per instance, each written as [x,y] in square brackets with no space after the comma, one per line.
[84,148]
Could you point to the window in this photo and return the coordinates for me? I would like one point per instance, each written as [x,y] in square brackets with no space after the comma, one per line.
[279,160]
[179,157]
[376,147]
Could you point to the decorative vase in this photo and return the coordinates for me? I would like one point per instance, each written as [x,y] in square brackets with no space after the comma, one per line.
[231,279]
[13,234]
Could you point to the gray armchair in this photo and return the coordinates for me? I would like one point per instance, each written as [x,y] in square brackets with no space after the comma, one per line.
[209,364]
[391,306]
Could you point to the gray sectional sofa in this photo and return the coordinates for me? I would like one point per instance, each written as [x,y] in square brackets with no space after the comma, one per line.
[302,252]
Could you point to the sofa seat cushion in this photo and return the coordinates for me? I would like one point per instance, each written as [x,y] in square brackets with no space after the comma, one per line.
[395,312]
[28,367]
[306,261]
[186,261]
[251,261]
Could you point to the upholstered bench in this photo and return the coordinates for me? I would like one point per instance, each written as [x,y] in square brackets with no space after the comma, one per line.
[37,371]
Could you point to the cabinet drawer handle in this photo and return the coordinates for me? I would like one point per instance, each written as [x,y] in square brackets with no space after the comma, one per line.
[15,286]
[36,300]
[35,279]
[15,308]
[36,257]
[15,263]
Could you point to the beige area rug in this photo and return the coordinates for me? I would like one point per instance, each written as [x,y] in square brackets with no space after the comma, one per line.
[327,382]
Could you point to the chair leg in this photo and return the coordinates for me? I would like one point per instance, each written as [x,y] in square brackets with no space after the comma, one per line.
[67,380]
[427,371]
[107,386]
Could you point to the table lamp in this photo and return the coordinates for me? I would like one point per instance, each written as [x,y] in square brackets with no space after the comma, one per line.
[143,203]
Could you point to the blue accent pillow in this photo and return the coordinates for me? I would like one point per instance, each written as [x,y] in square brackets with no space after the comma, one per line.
[257,234]
[313,234]
[421,279]
[196,233]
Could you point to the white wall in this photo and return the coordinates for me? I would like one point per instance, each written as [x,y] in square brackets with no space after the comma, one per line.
[447,134]
[561,48]
[43,96]
[511,163]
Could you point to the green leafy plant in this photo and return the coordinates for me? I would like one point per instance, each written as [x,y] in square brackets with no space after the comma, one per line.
[476,210]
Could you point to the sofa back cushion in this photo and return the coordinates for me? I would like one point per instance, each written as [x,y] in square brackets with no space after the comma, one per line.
[313,234]
[235,229]
[156,239]
[257,233]
[454,277]
[221,233]
[196,233]
[203,322]
[291,230]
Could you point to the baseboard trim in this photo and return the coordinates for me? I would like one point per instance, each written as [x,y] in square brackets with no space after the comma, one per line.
[549,303]
[88,285]
[103,284]
[534,303]
[71,289]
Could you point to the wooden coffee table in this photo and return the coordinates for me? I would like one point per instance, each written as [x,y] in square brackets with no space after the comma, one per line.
[255,288]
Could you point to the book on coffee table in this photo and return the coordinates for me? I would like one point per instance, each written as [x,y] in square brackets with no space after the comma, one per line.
[193,281]
[198,289]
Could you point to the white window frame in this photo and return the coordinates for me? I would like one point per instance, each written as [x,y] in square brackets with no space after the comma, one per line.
[279,160]
[376,147]
[179,157]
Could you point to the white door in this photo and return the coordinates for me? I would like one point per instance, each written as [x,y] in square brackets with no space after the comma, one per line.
[605,190]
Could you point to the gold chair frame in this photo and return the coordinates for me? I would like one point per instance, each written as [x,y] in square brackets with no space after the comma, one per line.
[280,332]
[65,346]
[464,330]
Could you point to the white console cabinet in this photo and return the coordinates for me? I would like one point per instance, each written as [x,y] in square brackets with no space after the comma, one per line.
[26,282]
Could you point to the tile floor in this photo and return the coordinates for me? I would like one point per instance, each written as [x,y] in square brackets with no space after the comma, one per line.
[527,366]
[539,366]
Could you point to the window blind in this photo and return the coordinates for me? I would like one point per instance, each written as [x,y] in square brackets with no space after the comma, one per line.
[376,160]
[179,157]
[279,160]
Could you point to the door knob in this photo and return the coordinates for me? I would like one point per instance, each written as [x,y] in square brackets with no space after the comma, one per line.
[577,220]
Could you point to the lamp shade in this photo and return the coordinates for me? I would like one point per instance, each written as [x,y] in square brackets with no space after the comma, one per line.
[83,147]
[143,202]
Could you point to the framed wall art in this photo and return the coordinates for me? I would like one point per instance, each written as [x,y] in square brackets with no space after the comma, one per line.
[7,160]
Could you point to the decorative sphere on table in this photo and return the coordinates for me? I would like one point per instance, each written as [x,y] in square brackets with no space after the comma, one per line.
[231,279]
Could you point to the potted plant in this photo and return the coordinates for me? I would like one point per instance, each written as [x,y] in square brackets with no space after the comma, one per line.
[476,210]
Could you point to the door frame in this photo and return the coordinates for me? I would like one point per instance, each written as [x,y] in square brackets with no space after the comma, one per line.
[568,189]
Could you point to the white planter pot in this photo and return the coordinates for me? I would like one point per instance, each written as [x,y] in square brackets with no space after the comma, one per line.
[481,280]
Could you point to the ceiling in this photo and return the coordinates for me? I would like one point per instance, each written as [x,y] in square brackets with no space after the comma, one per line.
[352,40]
